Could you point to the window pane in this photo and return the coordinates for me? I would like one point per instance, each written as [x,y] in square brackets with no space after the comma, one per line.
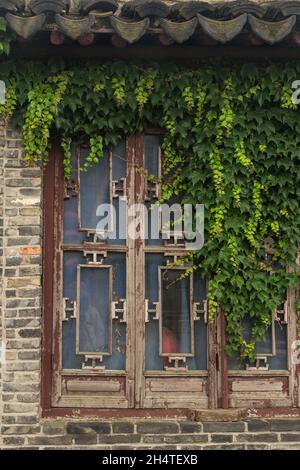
[176,331]
[277,362]
[94,319]
[94,189]
[176,321]
[94,310]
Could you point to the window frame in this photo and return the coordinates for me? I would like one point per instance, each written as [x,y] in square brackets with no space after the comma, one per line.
[219,378]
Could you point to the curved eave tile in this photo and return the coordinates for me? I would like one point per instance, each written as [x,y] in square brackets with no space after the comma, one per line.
[145,8]
[290,8]
[74,28]
[223,31]
[239,7]
[272,32]
[101,5]
[190,9]
[180,32]
[131,31]
[45,6]
[11,5]
[25,26]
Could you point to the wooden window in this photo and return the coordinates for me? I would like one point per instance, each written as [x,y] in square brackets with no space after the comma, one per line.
[122,327]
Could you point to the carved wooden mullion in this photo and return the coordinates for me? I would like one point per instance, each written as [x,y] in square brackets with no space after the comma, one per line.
[172,258]
[197,310]
[119,313]
[175,240]
[261,363]
[93,358]
[71,189]
[118,188]
[177,363]
[152,190]
[95,257]
[94,238]
[281,314]
[153,311]
[69,306]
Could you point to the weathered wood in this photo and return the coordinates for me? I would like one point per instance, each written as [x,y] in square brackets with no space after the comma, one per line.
[57,274]
[130,276]
[139,274]
[48,256]
[257,385]
[217,415]
[212,365]
[93,386]
[175,385]
[224,363]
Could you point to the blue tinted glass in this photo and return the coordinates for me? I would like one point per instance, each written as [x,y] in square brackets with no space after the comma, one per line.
[71,221]
[94,310]
[119,161]
[152,145]
[176,318]
[279,361]
[94,189]
[71,225]
[152,156]
[94,323]
[176,321]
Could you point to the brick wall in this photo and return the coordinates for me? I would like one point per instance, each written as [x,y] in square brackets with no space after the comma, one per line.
[254,434]
[21,287]
[21,423]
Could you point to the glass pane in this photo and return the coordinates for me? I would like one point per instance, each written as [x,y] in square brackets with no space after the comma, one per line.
[94,310]
[119,161]
[119,175]
[71,221]
[176,321]
[152,145]
[277,362]
[199,361]
[71,225]
[175,338]
[94,189]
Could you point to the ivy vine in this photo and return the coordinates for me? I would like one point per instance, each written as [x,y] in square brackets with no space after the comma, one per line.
[232,142]
[6,36]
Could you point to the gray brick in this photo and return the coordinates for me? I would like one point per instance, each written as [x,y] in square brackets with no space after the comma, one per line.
[257,437]
[290,437]
[221,438]
[222,427]
[290,424]
[122,427]
[29,355]
[119,438]
[50,440]
[176,438]
[258,425]
[13,441]
[85,439]
[225,447]
[190,427]
[54,428]
[30,333]
[158,428]
[20,430]
[88,427]
[258,447]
